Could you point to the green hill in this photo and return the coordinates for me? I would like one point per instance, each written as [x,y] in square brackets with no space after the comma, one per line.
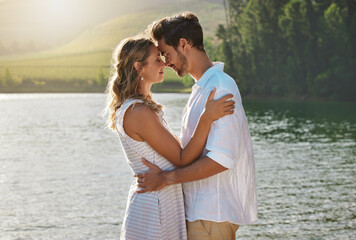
[75,66]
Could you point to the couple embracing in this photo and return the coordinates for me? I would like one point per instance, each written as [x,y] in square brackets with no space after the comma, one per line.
[203,186]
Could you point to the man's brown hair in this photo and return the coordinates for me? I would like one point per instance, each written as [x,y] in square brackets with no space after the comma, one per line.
[183,25]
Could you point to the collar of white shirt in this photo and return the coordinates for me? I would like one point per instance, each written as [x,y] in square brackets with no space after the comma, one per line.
[217,66]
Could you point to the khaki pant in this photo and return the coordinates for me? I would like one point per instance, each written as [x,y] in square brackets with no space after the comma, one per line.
[207,230]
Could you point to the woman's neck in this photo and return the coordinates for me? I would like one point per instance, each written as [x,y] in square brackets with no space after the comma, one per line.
[145,89]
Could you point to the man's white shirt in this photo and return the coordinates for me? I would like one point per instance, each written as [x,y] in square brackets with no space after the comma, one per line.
[230,195]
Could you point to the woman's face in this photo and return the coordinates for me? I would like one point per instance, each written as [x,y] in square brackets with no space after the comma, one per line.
[152,71]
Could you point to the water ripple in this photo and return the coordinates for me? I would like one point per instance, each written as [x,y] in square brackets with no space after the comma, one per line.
[63,176]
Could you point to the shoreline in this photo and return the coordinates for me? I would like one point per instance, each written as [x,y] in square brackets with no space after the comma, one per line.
[101,90]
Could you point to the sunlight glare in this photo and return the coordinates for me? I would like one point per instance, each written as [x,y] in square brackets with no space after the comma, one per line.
[58,5]
[59,12]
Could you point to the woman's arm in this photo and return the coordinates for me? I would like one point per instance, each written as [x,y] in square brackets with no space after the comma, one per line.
[213,111]
[143,124]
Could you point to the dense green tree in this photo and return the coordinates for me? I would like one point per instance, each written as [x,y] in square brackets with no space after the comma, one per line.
[336,56]
[296,31]
[291,47]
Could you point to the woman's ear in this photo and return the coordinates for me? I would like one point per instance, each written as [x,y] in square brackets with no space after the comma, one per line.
[137,66]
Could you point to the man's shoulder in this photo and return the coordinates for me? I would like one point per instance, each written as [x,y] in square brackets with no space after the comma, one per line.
[222,81]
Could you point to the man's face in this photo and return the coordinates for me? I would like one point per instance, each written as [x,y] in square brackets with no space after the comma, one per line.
[173,58]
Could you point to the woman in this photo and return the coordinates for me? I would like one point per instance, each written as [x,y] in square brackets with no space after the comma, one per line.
[143,132]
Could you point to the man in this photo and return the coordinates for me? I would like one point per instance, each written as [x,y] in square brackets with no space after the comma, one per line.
[219,188]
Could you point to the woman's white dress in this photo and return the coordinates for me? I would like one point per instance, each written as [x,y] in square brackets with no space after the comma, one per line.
[154,215]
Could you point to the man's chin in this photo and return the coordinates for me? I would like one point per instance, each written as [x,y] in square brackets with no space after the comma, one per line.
[181,74]
[178,72]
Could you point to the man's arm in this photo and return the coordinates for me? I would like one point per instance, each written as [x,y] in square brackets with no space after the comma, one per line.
[156,179]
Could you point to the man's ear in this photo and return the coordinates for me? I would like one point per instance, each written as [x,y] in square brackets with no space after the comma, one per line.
[183,43]
[138,66]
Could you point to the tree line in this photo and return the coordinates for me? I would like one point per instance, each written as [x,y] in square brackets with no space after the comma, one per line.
[292,48]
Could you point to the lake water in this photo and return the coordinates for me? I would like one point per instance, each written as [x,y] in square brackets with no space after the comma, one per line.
[64,176]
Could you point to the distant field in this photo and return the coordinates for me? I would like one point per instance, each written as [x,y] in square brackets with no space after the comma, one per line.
[78,63]
[81,66]
[72,73]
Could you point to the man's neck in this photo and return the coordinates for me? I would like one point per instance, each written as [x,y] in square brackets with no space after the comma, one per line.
[199,63]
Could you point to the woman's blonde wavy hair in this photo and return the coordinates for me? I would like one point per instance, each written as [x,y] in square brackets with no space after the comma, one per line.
[124,81]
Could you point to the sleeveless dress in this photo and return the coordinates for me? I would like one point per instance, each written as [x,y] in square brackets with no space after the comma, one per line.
[153,215]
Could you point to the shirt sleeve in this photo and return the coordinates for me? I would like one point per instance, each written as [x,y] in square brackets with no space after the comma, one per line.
[225,136]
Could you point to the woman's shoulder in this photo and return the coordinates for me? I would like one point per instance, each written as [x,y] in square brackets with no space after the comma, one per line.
[127,104]
[134,115]
[135,110]
[140,112]
[131,101]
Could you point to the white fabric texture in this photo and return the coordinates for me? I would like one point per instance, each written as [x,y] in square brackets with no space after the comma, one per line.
[230,195]
[152,215]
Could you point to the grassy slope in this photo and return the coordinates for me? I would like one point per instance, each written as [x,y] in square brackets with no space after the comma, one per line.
[81,59]
[107,35]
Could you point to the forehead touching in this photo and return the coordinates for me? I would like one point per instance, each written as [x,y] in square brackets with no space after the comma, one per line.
[154,51]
